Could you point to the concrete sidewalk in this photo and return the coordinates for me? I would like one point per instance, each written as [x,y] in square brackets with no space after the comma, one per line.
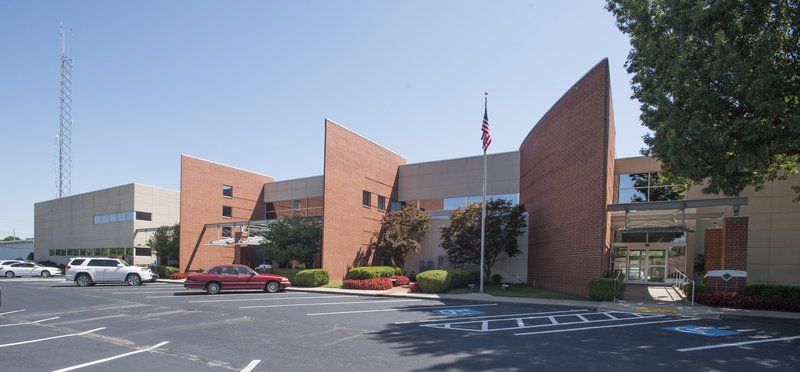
[679,308]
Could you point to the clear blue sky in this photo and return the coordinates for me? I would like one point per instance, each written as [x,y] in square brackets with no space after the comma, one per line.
[249,83]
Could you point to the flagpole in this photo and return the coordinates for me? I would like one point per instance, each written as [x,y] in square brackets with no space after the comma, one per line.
[483,203]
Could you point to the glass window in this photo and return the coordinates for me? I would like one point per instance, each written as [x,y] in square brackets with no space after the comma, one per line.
[96,263]
[227,191]
[104,218]
[144,216]
[381,202]
[454,203]
[226,232]
[475,199]
[216,271]
[143,252]
[77,262]
[395,205]
[97,219]
[514,198]
[243,270]
[227,211]
[296,204]
[632,237]
[52,252]
[112,218]
[366,198]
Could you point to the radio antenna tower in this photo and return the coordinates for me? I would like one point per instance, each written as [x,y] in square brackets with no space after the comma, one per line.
[64,137]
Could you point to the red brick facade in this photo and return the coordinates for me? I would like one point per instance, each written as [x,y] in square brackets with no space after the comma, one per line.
[353,164]
[202,202]
[713,249]
[734,240]
[565,184]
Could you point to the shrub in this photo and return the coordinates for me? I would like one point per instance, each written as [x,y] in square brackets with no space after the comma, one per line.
[698,289]
[412,277]
[167,271]
[374,283]
[433,281]
[369,272]
[288,273]
[178,275]
[459,278]
[310,278]
[772,290]
[604,289]
[414,287]
[497,279]
[737,300]
[401,280]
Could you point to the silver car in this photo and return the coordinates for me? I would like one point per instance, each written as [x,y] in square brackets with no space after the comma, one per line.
[28,269]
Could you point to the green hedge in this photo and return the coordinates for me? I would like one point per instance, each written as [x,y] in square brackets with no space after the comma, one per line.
[433,281]
[604,289]
[370,272]
[772,290]
[437,281]
[167,271]
[698,288]
[311,278]
[289,273]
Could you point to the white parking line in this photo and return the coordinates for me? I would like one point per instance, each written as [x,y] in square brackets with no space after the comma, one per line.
[268,299]
[605,326]
[492,316]
[111,358]
[28,323]
[148,292]
[52,338]
[252,365]
[12,312]
[717,346]
[329,303]
[400,309]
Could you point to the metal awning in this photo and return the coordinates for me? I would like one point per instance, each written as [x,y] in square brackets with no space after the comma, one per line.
[736,203]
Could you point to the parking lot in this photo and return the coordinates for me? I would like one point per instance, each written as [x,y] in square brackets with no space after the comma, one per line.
[52,325]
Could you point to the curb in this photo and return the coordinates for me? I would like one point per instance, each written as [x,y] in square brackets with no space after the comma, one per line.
[761,318]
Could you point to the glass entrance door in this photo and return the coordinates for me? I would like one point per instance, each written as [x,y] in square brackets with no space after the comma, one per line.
[656,265]
[637,265]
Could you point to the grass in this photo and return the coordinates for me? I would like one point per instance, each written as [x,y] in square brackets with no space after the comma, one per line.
[518,290]
[333,285]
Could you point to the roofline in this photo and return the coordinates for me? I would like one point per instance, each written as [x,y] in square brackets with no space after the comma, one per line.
[463,157]
[134,184]
[227,166]
[365,138]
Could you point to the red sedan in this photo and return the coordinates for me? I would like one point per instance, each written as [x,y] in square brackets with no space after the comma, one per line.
[235,277]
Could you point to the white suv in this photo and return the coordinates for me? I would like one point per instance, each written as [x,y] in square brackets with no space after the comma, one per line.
[85,271]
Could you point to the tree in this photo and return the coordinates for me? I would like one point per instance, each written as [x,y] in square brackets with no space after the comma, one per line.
[505,223]
[11,238]
[166,242]
[719,86]
[293,238]
[30,257]
[401,232]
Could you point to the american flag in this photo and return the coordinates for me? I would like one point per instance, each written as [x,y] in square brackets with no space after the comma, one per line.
[486,136]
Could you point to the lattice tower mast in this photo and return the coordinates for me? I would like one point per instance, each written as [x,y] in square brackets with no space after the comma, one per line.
[64,137]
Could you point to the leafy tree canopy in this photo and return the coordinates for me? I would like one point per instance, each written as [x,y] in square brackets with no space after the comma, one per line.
[11,238]
[401,232]
[719,86]
[293,238]
[166,242]
[505,223]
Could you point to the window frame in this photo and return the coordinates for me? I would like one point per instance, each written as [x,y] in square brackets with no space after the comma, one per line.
[228,189]
[230,209]
[366,199]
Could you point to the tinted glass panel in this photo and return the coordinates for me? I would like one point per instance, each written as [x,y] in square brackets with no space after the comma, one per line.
[77,262]
[366,198]
[454,203]
[227,211]
[144,216]
[381,202]
[227,191]
[243,271]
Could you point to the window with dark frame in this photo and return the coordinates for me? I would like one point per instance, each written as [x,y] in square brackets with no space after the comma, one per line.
[227,211]
[227,191]
[144,216]
[366,198]
[381,202]
[226,232]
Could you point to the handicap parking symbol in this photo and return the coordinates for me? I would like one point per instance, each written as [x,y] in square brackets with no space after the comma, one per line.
[458,312]
[702,331]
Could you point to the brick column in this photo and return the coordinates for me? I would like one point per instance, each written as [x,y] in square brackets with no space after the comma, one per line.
[713,249]
[734,243]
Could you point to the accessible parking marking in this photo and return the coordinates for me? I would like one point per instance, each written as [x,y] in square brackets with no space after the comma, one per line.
[605,326]
[491,316]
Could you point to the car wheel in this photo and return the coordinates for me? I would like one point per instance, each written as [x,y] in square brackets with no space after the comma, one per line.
[213,288]
[83,280]
[9,274]
[133,279]
[272,287]
[45,274]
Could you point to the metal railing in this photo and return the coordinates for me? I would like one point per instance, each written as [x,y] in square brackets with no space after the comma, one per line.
[616,280]
[682,280]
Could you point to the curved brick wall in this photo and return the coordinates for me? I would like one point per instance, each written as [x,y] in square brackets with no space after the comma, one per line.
[566,181]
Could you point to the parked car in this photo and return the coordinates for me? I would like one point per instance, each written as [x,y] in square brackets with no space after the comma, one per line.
[264,267]
[85,271]
[235,277]
[28,269]
[9,262]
